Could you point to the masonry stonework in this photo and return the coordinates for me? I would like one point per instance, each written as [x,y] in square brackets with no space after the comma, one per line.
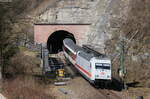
[42,32]
[105,16]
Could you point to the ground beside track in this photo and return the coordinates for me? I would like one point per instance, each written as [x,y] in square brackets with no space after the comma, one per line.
[31,85]
[79,88]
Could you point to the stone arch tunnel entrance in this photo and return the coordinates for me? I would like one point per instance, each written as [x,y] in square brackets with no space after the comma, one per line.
[55,40]
[53,34]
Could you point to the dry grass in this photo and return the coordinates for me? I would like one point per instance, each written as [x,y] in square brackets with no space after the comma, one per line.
[138,70]
[25,82]
[26,87]
[138,20]
[24,62]
[135,92]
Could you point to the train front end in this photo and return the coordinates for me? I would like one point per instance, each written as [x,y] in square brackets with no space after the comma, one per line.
[101,69]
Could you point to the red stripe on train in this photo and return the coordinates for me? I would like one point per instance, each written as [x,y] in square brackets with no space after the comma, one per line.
[73,56]
[88,73]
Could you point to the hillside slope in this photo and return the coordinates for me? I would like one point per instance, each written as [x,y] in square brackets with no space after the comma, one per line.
[112,21]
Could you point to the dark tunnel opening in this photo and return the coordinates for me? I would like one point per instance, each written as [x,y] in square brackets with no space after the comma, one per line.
[55,41]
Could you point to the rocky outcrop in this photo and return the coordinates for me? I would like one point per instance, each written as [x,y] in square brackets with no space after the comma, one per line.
[105,17]
[68,11]
[109,16]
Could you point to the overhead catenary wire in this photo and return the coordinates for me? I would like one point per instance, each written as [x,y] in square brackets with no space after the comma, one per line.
[127,46]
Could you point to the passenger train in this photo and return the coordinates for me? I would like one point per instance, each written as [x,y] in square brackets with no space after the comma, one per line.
[95,69]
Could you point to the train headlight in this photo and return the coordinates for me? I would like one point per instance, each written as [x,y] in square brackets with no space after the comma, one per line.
[96,75]
[108,76]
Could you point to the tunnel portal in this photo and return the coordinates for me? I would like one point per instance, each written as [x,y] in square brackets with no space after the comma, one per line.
[55,40]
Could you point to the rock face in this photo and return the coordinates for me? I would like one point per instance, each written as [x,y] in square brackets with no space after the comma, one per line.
[105,16]
[69,11]
[111,21]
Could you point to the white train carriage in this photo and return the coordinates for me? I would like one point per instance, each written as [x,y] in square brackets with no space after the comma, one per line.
[94,69]
[70,50]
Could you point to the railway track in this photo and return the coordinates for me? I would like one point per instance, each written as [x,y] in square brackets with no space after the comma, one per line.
[106,93]
[109,94]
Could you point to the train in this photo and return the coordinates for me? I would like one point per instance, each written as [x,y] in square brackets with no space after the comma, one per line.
[95,68]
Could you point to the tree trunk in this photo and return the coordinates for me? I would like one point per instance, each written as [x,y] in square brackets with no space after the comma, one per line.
[0,74]
[1,64]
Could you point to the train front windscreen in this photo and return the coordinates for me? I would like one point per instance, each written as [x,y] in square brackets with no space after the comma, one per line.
[102,66]
[103,71]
